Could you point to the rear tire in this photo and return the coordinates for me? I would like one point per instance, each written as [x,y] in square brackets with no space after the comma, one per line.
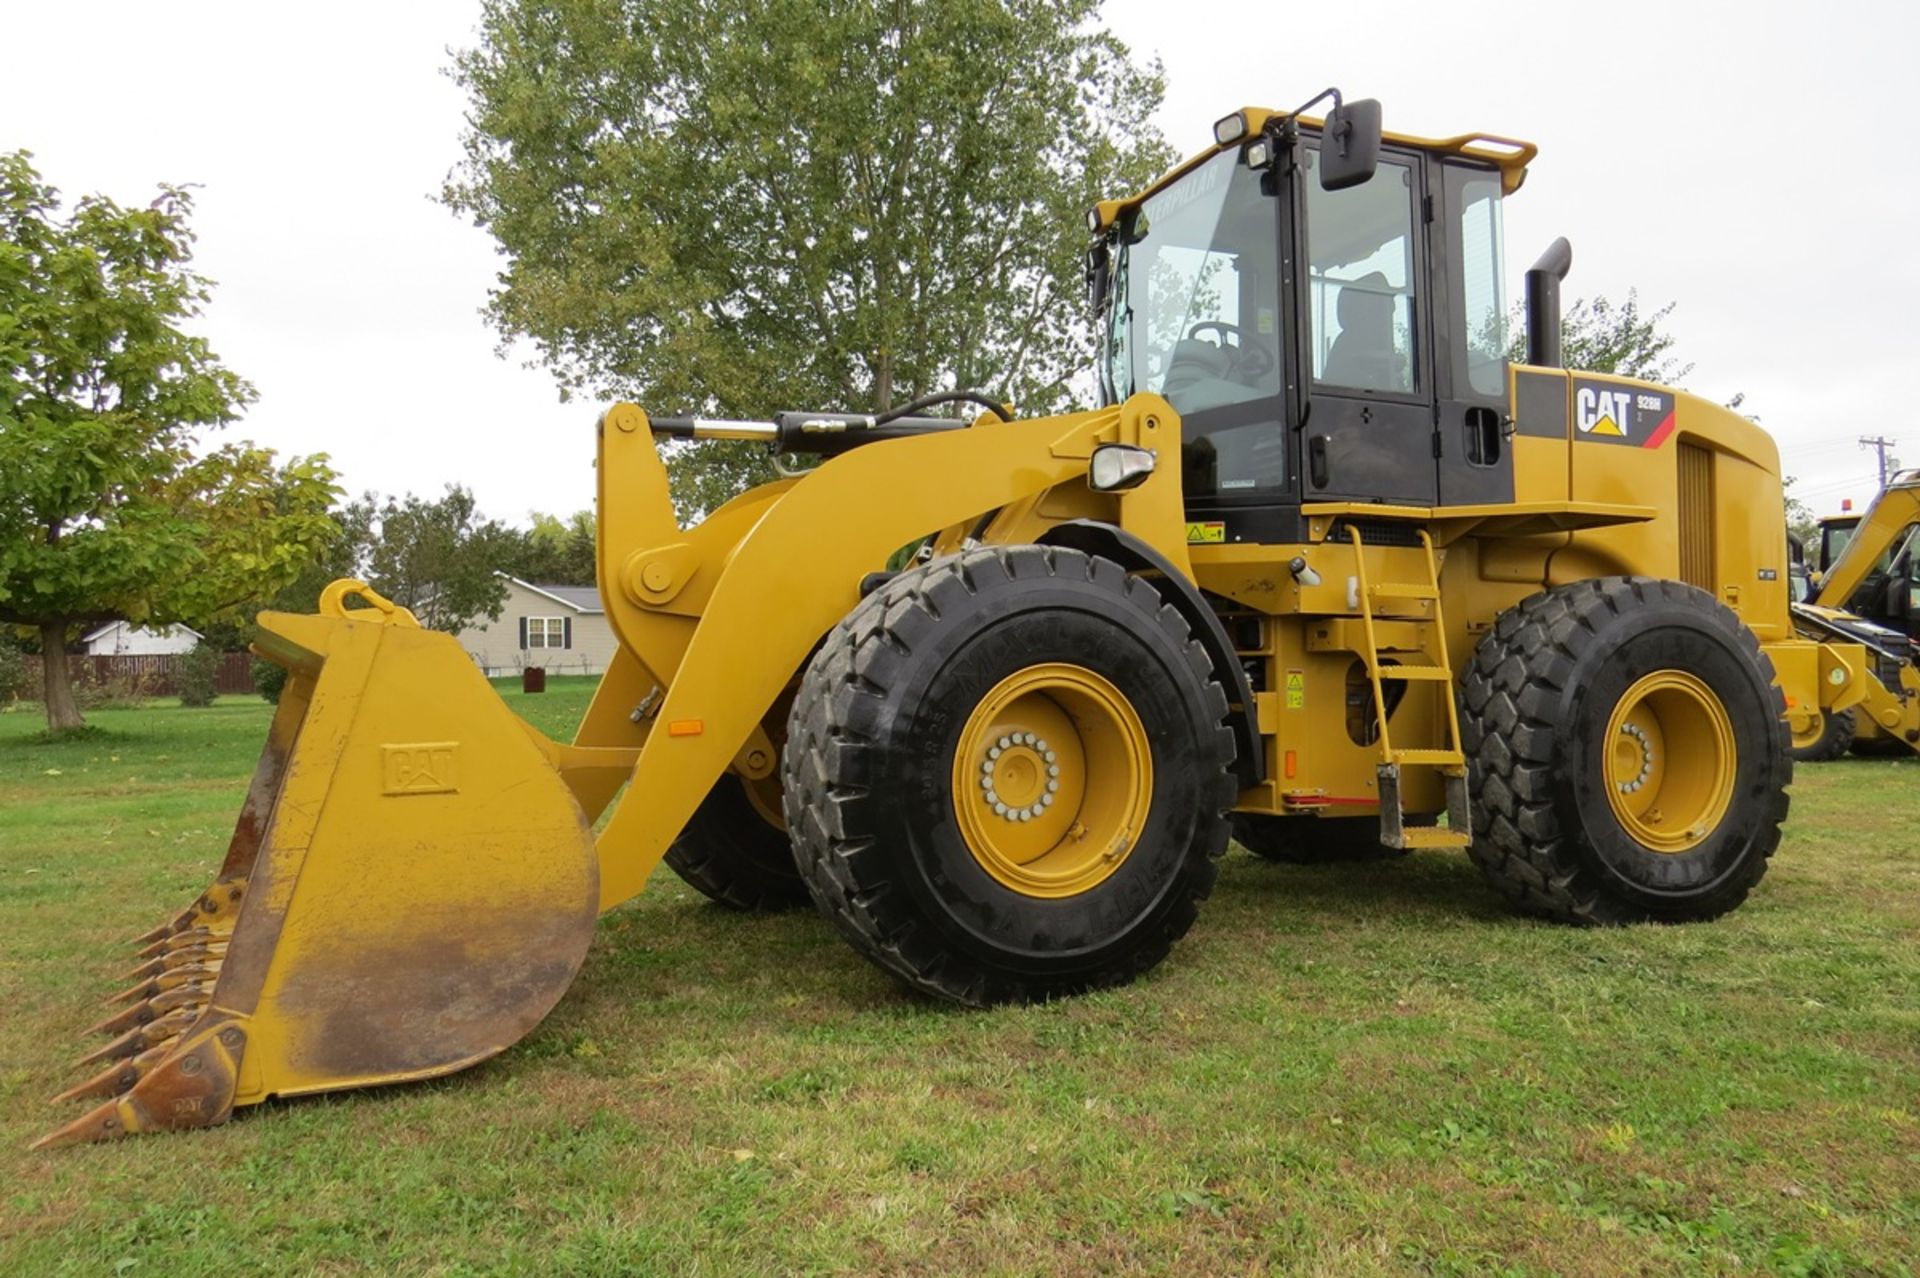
[1828,741]
[1627,753]
[1311,840]
[922,869]
[733,853]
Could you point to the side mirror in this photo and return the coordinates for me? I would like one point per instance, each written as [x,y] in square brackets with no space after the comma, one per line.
[1350,144]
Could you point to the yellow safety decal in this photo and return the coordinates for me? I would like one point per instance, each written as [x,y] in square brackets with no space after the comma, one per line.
[1210,532]
[1296,690]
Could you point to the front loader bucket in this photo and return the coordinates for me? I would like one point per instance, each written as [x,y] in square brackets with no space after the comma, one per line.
[409,889]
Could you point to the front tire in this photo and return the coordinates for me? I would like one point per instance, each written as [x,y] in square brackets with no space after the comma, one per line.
[1074,850]
[1627,753]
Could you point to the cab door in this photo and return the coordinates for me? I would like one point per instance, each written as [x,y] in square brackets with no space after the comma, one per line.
[1369,429]
[1472,443]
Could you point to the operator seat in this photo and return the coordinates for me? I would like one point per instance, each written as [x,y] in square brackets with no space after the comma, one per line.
[1363,353]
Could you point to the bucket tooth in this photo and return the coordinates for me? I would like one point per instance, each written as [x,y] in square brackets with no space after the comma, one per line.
[190,1083]
[193,936]
[141,1037]
[219,904]
[195,974]
[186,996]
[191,956]
[115,1079]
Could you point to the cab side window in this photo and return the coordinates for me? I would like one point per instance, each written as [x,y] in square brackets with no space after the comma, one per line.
[1360,257]
[1483,299]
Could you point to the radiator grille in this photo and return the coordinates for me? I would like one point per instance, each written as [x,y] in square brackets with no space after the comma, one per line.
[1696,517]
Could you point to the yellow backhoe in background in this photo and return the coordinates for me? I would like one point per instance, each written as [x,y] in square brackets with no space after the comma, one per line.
[1324,569]
[1862,588]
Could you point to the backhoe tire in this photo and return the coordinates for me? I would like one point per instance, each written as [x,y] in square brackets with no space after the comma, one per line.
[1627,754]
[1879,745]
[1311,840]
[1834,733]
[734,854]
[1090,709]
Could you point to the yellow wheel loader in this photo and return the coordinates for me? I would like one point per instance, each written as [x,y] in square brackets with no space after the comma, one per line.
[1325,570]
[1861,589]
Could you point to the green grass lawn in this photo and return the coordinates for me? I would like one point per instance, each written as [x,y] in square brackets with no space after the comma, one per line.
[1361,1069]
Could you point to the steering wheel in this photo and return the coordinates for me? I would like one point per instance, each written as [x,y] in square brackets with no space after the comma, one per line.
[1249,361]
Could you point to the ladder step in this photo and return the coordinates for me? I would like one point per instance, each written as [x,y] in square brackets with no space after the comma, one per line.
[1431,758]
[1434,836]
[1404,590]
[1433,674]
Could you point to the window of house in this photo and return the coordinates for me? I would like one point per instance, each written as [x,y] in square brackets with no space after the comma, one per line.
[545,632]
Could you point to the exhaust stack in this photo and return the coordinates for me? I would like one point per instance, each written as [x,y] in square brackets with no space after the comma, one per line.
[1543,304]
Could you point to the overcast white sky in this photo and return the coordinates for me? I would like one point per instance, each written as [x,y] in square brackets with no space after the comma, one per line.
[1744,159]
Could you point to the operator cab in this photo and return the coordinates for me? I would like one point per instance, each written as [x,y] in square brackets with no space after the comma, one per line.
[1889,591]
[1331,325]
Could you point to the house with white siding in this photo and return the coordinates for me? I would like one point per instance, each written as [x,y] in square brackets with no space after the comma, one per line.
[118,639]
[561,628]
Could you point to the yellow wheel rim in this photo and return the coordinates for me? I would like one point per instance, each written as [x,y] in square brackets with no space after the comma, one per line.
[1052,778]
[1807,728]
[1669,759]
[763,795]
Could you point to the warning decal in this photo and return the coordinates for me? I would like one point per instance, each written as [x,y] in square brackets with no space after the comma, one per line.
[1207,532]
[1296,689]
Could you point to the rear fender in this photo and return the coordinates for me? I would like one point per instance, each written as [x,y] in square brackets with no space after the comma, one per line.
[792,572]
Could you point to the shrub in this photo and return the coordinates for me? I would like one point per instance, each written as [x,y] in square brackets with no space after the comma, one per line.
[269,679]
[114,690]
[197,675]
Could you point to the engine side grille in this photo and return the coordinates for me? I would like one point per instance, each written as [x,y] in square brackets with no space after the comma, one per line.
[1696,517]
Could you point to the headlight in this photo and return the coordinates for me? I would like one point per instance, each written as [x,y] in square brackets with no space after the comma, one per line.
[1259,154]
[1230,128]
[1118,467]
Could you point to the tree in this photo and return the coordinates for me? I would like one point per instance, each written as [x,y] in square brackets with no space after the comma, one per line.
[106,511]
[440,559]
[737,206]
[1598,335]
[1801,521]
[557,551]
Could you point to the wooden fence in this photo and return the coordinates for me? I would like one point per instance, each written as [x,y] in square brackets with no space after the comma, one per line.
[145,675]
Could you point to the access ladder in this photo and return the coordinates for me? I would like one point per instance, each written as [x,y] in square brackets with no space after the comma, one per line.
[1427,665]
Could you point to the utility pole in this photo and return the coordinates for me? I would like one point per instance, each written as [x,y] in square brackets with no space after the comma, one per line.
[1880,444]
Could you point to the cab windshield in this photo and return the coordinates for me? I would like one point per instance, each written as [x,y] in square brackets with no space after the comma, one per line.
[1193,315]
